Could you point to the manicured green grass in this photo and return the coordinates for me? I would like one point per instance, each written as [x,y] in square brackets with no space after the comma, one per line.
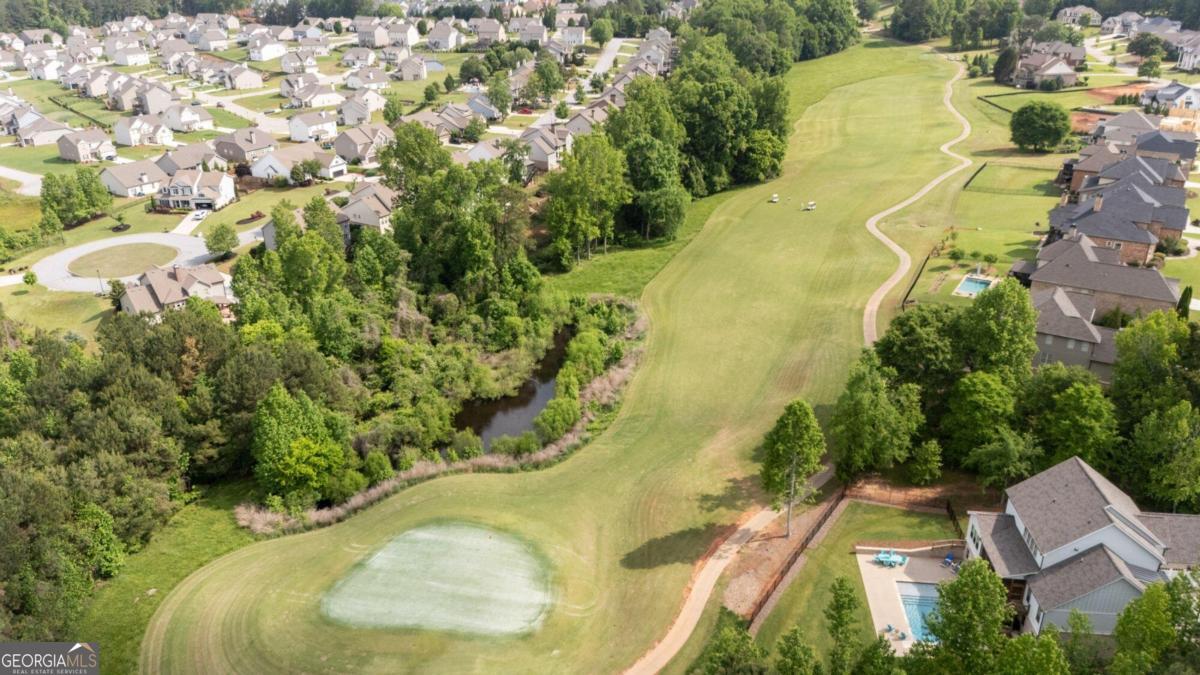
[42,159]
[260,200]
[121,261]
[763,306]
[260,102]
[17,212]
[78,313]
[135,216]
[224,118]
[804,601]
[121,608]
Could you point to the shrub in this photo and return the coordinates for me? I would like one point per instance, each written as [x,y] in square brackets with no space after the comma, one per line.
[377,467]
[557,418]
[925,466]
[346,486]
[466,444]
[516,446]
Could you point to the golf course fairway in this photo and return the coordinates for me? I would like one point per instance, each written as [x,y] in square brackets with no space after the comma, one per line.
[764,305]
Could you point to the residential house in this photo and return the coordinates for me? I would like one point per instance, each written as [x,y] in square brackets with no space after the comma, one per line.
[151,98]
[394,54]
[1171,146]
[1079,15]
[482,106]
[1174,95]
[413,69]
[587,120]
[263,48]
[244,146]
[370,206]
[490,31]
[444,37]
[374,37]
[280,162]
[303,61]
[242,77]
[295,82]
[1072,55]
[142,130]
[41,131]
[533,33]
[168,288]
[572,36]
[188,118]
[316,96]
[1081,266]
[361,144]
[132,57]
[318,46]
[403,34]
[547,146]
[1034,69]
[33,36]
[565,19]
[90,145]
[137,179]
[358,108]
[1069,540]
[213,40]
[431,121]
[194,189]
[1124,129]
[282,33]
[313,126]
[1157,25]
[1066,332]
[367,78]
[191,156]
[358,57]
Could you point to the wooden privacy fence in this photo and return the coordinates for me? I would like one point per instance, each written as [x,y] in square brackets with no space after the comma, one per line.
[769,588]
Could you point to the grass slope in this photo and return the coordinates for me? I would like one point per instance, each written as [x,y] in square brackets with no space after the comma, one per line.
[765,305]
[122,607]
[804,602]
[122,261]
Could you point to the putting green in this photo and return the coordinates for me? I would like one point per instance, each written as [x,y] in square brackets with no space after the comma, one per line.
[452,576]
[121,261]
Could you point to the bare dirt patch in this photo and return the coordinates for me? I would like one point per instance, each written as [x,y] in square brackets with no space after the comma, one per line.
[1086,122]
[1110,94]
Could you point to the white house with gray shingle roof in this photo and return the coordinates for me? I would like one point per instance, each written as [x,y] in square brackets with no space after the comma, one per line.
[1070,539]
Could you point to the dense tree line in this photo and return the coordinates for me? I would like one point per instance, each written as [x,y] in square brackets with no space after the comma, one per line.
[1158,632]
[767,36]
[968,22]
[956,386]
[349,357]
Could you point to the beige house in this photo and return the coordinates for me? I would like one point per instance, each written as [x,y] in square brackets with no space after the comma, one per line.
[85,147]
[162,289]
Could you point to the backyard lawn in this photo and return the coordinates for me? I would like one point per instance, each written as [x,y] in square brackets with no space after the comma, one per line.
[135,216]
[261,200]
[78,313]
[804,601]
[623,520]
[224,118]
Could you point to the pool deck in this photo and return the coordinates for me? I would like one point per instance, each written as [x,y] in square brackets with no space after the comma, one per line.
[883,598]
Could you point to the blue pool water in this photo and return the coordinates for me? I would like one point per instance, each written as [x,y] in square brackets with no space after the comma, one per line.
[972,286]
[918,600]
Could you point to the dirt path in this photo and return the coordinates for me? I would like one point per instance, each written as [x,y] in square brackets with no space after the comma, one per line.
[703,584]
[870,329]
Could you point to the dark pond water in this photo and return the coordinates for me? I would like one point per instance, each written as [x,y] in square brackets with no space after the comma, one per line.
[513,415]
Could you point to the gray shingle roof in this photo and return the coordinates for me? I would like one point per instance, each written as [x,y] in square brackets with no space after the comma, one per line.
[1067,315]
[1079,264]
[1005,549]
[1180,532]
[1079,575]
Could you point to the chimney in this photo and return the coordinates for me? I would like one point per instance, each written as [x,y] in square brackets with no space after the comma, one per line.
[1099,203]
[1073,233]
[1065,198]
[251,136]
[143,178]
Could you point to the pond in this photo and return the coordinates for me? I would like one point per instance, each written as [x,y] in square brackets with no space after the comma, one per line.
[513,415]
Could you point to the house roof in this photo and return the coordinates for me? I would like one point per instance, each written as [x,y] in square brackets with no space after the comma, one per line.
[1079,263]
[1167,142]
[1005,549]
[315,118]
[1180,532]
[1079,575]
[1066,315]
[187,156]
[1070,500]
[248,138]
[137,173]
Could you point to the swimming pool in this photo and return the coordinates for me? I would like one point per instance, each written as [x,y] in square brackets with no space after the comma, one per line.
[971,285]
[918,600]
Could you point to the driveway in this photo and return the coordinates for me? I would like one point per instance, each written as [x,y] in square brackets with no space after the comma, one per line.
[31,183]
[607,56]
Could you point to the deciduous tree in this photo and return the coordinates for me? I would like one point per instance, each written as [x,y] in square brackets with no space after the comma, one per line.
[792,453]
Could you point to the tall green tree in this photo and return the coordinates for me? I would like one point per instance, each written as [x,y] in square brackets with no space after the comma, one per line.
[841,616]
[792,452]
[584,197]
[1145,628]
[979,411]
[970,618]
[1082,423]
[1146,375]
[794,656]
[1028,654]
[998,331]
[499,92]
[1006,459]
[1040,126]
[874,421]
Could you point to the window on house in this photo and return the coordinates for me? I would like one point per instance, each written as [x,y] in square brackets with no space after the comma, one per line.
[1070,344]
[1049,340]
[975,538]
[1029,542]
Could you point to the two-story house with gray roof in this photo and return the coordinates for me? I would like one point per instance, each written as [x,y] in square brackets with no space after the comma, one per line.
[1068,539]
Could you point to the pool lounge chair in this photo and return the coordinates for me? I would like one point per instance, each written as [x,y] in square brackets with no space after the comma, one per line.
[948,561]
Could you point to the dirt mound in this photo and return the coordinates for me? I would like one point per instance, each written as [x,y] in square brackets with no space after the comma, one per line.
[1110,94]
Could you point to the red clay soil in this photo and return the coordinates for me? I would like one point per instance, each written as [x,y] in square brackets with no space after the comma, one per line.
[961,489]
[1110,94]
[762,558]
[1086,123]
